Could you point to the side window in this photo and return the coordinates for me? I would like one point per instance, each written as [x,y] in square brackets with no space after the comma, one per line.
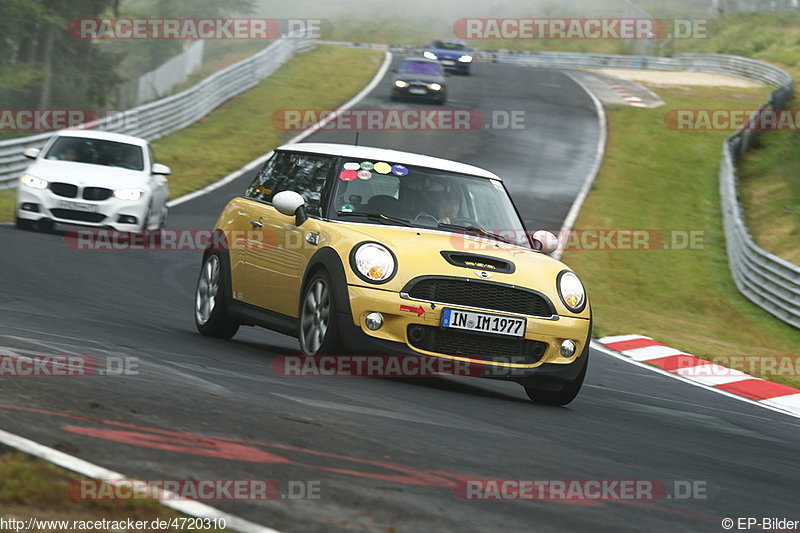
[302,173]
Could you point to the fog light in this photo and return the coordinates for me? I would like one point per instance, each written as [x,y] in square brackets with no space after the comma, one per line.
[416,333]
[567,348]
[126,219]
[374,321]
[34,208]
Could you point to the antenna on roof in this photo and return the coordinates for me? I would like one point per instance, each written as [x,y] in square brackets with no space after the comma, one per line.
[356,138]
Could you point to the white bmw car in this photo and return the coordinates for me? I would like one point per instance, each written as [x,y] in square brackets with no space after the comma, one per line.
[93,178]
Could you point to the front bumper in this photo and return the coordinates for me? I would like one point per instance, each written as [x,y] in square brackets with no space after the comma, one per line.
[453,64]
[42,205]
[393,337]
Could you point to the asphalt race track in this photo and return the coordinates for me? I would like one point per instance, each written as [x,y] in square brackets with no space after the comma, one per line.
[386,453]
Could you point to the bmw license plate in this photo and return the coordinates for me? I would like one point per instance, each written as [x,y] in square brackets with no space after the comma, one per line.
[483,322]
[78,206]
[417,91]
[448,62]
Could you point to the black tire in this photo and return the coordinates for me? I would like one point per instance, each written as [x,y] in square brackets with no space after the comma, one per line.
[318,329]
[24,224]
[559,397]
[212,298]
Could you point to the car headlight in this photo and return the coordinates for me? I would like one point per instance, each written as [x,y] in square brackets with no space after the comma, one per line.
[434,87]
[465,59]
[373,262]
[571,291]
[429,55]
[33,182]
[401,84]
[128,194]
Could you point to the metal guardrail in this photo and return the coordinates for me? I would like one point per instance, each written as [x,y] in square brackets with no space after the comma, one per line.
[764,278]
[160,117]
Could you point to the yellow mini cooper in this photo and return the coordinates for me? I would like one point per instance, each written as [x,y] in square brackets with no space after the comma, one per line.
[360,250]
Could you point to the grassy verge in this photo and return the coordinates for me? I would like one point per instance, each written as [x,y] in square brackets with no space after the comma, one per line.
[241,129]
[661,179]
[770,190]
[32,488]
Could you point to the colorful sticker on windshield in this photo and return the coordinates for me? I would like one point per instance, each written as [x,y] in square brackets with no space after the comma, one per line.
[348,175]
[367,165]
[347,208]
[351,166]
[382,168]
[364,175]
[399,170]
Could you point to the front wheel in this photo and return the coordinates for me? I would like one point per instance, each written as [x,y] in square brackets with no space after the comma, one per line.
[319,334]
[211,301]
[562,396]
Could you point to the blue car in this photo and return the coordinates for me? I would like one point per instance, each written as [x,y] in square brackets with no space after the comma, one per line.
[452,54]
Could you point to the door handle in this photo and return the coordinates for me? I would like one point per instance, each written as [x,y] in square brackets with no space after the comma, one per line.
[256,224]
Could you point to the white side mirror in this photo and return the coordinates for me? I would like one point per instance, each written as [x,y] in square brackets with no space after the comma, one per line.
[288,202]
[163,170]
[549,241]
[32,153]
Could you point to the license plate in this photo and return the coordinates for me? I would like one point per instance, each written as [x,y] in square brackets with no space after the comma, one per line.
[483,322]
[417,91]
[77,206]
[448,62]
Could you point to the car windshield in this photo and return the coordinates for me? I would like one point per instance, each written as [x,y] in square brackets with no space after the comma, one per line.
[447,45]
[383,192]
[96,152]
[420,67]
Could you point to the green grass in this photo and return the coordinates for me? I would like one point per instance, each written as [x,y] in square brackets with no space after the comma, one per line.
[663,179]
[32,488]
[241,129]
[770,189]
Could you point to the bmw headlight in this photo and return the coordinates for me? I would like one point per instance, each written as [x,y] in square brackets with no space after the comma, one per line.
[402,84]
[33,182]
[465,59]
[128,194]
[571,291]
[434,87]
[373,262]
[429,55]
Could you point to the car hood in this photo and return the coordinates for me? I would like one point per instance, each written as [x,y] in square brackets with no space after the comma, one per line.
[418,253]
[424,78]
[87,175]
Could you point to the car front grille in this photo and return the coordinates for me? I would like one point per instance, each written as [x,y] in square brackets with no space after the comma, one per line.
[81,216]
[480,294]
[494,348]
[97,194]
[66,190]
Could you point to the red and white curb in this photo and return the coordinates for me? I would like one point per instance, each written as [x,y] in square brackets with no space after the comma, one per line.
[689,367]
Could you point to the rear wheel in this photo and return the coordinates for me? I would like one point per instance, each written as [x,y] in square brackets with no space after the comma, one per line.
[319,334]
[211,301]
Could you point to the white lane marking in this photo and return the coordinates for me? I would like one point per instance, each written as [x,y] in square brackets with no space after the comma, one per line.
[572,215]
[94,471]
[387,60]
[778,409]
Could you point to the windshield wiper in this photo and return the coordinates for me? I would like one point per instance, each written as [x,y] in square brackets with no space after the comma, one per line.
[384,219]
[478,230]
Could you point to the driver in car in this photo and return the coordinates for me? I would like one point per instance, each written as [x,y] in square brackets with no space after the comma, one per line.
[444,206]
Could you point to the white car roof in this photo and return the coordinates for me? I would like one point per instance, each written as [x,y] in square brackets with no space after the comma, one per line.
[105,135]
[384,154]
